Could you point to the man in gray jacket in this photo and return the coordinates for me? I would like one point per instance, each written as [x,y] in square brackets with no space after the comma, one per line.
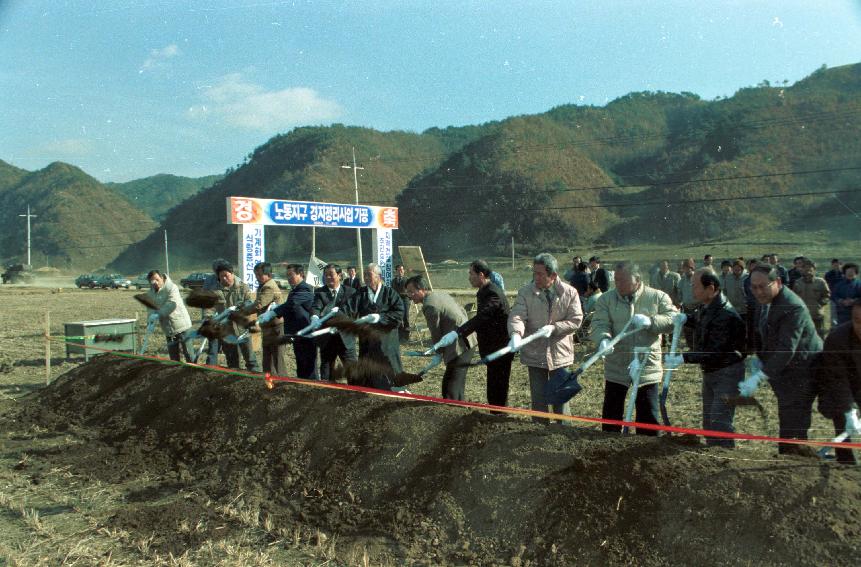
[788,345]
[444,315]
[171,315]
[649,310]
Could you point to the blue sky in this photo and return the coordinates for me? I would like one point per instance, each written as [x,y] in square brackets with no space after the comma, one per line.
[129,89]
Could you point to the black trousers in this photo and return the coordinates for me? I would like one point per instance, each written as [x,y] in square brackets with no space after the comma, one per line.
[306,358]
[795,396]
[845,456]
[647,406]
[332,350]
[498,376]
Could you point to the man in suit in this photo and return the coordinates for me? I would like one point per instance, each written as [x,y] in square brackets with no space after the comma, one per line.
[443,315]
[840,381]
[599,274]
[333,294]
[274,353]
[296,312]
[351,279]
[378,298]
[490,326]
[788,343]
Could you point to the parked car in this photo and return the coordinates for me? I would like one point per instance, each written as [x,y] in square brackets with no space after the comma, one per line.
[194,280]
[113,281]
[141,281]
[86,280]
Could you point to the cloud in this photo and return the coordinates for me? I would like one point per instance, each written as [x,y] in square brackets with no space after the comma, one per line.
[70,147]
[250,106]
[158,57]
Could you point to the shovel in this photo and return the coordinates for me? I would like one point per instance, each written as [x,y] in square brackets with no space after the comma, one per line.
[823,452]
[636,372]
[405,378]
[738,401]
[316,325]
[540,334]
[560,389]
[149,329]
[678,322]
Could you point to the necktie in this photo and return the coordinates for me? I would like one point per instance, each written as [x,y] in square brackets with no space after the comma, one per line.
[763,319]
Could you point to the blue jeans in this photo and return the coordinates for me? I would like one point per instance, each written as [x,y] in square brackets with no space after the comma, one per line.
[717,414]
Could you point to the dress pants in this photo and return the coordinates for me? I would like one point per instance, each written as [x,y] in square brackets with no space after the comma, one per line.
[454,378]
[498,376]
[333,349]
[647,406]
[306,358]
[795,396]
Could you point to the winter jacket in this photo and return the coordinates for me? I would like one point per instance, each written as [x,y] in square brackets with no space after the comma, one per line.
[719,336]
[815,294]
[389,306]
[172,314]
[530,313]
[613,311]
[237,295]
[840,374]
[268,293]
[845,289]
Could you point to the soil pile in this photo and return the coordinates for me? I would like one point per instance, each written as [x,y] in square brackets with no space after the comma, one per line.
[420,482]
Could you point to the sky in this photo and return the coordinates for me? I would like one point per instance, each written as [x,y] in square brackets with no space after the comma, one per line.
[127,89]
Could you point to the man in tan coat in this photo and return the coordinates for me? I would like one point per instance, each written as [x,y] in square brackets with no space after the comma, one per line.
[274,353]
[814,292]
[651,311]
[547,301]
[444,315]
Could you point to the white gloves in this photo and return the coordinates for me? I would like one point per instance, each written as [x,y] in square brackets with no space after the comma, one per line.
[264,318]
[152,319]
[853,423]
[748,386]
[605,348]
[673,361]
[371,319]
[548,329]
[315,322]
[447,339]
[640,321]
[514,343]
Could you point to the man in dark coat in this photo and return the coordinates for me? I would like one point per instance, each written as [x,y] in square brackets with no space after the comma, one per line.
[719,344]
[399,283]
[788,345]
[840,380]
[296,312]
[376,297]
[333,294]
[351,279]
[599,274]
[490,325]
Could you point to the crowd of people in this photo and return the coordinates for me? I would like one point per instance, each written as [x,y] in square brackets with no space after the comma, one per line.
[746,323]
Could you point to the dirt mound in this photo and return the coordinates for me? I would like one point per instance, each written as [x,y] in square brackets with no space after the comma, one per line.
[419,482]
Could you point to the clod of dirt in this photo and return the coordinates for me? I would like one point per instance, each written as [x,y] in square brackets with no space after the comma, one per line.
[436,484]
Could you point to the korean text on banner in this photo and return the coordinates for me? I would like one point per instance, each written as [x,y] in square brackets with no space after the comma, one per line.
[251,252]
[251,210]
[383,253]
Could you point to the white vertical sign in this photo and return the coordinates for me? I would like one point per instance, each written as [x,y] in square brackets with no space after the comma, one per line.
[252,250]
[382,240]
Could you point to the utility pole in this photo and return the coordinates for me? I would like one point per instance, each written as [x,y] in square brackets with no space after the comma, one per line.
[355,169]
[29,216]
[166,259]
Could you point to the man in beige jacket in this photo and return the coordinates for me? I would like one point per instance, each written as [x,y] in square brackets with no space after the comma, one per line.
[651,311]
[274,353]
[547,301]
[814,292]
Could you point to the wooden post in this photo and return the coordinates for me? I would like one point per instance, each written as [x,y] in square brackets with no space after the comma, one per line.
[47,348]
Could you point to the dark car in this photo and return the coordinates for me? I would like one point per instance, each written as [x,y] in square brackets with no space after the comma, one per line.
[141,281]
[194,280]
[113,281]
[86,280]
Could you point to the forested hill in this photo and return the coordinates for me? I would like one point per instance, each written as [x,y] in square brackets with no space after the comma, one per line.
[157,194]
[80,223]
